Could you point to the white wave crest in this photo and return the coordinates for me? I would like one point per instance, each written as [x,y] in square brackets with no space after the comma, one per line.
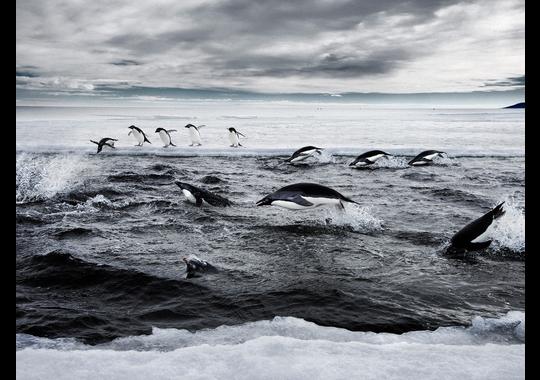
[40,177]
[286,348]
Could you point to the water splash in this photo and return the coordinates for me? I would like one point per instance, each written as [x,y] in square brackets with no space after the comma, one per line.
[509,231]
[325,157]
[392,162]
[41,177]
[359,218]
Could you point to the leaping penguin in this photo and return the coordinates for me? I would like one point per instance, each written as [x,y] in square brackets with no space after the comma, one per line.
[475,235]
[426,157]
[368,158]
[139,135]
[105,141]
[301,196]
[234,137]
[194,134]
[303,153]
[165,136]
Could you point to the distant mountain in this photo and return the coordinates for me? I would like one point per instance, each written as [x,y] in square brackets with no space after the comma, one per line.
[517,105]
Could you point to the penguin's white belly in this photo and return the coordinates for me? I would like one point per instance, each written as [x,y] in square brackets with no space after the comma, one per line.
[290,205]
[484,236]
[316,202]
[375,158]
[195,136]
[302,156]
[430,156]
[164,137]
[233,138]
[421,162]
[322,201]
[190,197]
[361,163]
[138,136]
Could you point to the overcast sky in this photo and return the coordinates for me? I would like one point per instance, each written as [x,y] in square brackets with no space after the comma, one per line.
[324,46]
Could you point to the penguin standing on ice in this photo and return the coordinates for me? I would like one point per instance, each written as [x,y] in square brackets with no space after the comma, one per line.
[234,137]
[105,141]
[139,135]
[164,135]
[194,134]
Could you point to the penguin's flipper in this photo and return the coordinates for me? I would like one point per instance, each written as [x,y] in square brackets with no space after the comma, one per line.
[171,143]
[300,200]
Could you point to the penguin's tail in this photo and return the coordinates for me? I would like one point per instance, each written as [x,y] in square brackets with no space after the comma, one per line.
[344,198]
[498,211]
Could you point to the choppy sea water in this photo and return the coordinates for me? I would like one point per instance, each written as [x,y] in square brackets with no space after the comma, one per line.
[370,290]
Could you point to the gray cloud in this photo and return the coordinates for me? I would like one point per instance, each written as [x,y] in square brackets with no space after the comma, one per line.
[126,62]
[323,45]
[508,82]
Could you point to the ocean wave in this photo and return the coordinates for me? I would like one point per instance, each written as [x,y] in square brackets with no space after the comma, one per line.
[61,269]
[329,220]
[286,348]
[263,151]
[41,177]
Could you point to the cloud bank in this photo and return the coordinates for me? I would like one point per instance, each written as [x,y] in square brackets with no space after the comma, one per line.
[315,46]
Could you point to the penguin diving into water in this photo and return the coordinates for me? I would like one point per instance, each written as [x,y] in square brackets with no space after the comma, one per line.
[107,141]
[302,196]
[139,135]
[475,235]
[199,196]
[164,135]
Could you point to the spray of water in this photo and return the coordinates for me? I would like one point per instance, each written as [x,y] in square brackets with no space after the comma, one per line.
[41,177]
[509,230]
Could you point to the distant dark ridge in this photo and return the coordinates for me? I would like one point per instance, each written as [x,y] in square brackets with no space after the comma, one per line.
[517,105]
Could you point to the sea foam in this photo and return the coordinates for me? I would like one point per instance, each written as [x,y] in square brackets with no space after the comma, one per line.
[286,348]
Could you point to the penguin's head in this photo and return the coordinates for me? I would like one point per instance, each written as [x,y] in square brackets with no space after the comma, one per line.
[131,127]
[189,126]
[159,129]
[232,130]
[266,201]
[184,186]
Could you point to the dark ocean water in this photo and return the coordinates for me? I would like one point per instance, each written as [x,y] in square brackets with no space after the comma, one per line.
[100,241]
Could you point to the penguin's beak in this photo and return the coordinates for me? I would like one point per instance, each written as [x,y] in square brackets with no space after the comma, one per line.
[264,202]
